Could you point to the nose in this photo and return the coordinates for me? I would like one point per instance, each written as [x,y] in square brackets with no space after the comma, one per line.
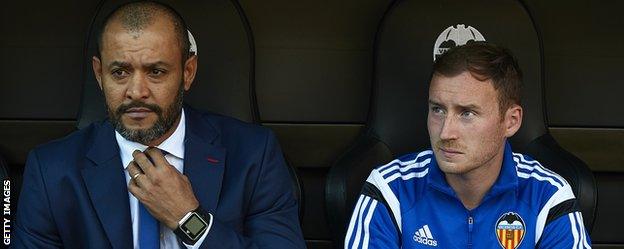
[449,129]
[137,88]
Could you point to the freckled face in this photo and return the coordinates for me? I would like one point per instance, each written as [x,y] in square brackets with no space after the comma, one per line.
[464,123]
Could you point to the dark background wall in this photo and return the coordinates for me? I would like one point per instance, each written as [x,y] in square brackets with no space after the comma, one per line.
[313,76]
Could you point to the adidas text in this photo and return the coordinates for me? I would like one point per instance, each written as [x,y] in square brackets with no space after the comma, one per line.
[425,241]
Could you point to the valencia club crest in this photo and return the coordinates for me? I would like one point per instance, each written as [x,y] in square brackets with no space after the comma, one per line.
[510,230]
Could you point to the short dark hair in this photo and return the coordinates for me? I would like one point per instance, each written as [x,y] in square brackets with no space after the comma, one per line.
[138,15]
[485,61]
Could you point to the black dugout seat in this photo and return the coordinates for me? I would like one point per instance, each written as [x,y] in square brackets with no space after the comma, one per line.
[224,82]
[4,169]
[409,37]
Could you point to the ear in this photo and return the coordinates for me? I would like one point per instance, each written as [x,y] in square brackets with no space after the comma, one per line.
[97,69]
[513,120]
[190,68]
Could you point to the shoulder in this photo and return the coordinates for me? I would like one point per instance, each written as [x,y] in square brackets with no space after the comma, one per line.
[72,144]
[532,173]
[397,183]
[60,157]
[407,168]
[548,194]
[402,176]
[229,128]
[243,141]
[539,186]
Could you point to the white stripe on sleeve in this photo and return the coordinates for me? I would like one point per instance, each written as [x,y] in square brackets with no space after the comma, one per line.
[574,231]
[579,218]
[353,221]
[378,181]
[358,233]
[367,221]
[407,167]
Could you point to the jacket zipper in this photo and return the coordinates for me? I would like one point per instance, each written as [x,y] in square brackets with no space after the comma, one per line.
[470,222]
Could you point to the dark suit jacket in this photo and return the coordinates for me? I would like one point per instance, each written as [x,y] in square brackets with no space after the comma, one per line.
[74,193]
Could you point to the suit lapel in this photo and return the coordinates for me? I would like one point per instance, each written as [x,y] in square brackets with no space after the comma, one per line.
[204,160]
[106,184]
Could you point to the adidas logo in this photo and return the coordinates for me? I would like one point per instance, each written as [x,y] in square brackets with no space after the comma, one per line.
[424,236]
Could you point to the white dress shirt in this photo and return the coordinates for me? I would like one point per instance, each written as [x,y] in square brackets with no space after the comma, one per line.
[174,145]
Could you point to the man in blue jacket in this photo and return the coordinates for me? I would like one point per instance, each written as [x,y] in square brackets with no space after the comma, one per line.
[156,174]
[470,190]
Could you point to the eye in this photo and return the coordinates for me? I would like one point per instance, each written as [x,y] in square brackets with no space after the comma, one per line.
[436,110]
[468,114]
[157,72]
[119,73]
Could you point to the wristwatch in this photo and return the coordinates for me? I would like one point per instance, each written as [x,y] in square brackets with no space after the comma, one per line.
[193,225]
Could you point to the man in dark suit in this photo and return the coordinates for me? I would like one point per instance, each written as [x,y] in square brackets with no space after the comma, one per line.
[118,183]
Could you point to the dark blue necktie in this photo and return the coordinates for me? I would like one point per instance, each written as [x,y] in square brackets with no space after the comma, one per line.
[149,229]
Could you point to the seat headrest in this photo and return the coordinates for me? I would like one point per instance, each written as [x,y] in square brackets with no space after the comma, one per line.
[410,36]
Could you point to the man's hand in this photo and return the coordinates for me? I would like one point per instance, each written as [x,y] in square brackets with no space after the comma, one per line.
[165,192]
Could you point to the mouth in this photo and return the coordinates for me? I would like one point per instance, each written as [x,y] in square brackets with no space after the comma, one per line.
[138,112]
[448,152]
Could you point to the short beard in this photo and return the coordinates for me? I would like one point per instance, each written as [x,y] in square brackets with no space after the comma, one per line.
[166,119]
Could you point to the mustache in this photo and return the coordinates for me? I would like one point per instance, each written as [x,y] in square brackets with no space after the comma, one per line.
[137,104]
[450,145]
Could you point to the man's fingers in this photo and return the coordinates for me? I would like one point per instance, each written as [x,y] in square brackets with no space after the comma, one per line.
[133,168]
[135,190]
[143,162]
[137,177]
[158,158]
[134,171]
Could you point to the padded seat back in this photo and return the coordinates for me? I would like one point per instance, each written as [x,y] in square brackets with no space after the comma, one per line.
[410,36]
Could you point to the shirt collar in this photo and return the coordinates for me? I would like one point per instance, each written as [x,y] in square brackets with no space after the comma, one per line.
[174,144]
[507,179]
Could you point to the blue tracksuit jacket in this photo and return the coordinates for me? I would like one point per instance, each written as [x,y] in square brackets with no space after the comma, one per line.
[407,204]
